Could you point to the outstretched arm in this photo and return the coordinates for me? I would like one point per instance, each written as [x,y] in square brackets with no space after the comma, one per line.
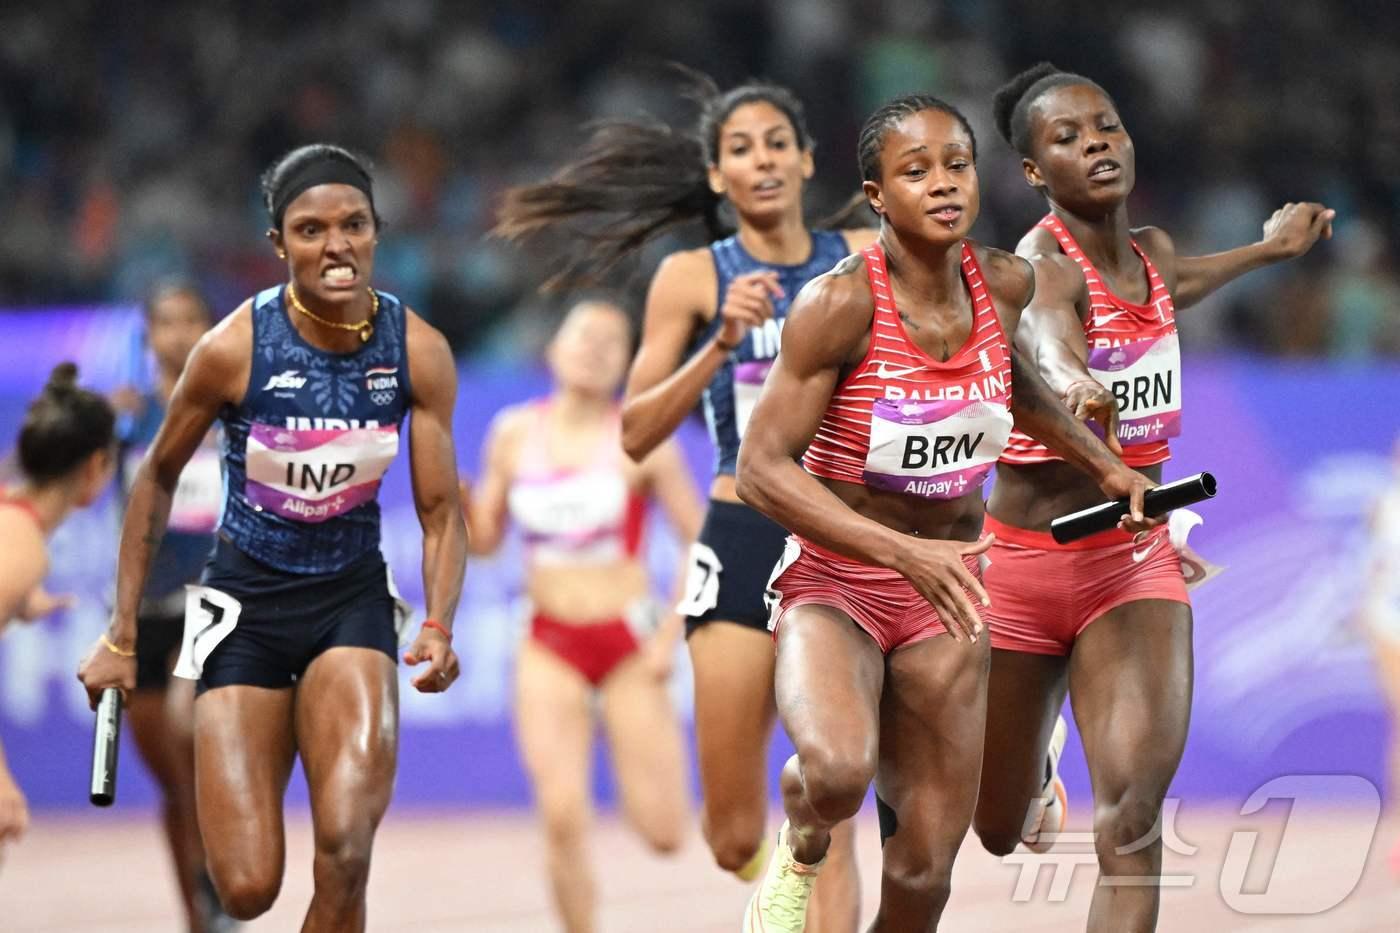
[1050,335]
[484,502]
[1289,233]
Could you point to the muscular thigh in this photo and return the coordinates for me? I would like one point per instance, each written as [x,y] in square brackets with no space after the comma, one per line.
[932,720]
[347,723]
[828,682]
[1024,695]
[244,747]
[1130,684]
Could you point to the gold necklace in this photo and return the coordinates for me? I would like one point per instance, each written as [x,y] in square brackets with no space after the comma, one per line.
[364,328]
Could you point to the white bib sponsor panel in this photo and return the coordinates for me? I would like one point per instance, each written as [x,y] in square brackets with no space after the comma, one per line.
[572,517]
[315,475]
[748,386]
[1145,378]
[937,450]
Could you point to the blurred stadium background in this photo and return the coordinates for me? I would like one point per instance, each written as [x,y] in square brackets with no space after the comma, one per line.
[131,140]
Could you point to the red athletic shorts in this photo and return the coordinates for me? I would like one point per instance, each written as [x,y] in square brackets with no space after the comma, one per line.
[878,599]
[1044,594]
[594,649]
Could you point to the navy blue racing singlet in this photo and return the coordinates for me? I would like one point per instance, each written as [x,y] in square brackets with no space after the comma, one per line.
[305,450]
[731,395]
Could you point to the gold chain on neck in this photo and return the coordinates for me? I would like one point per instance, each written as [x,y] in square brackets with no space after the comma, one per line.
[364,328]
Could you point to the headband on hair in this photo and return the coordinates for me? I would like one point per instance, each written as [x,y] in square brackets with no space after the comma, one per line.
[326,170]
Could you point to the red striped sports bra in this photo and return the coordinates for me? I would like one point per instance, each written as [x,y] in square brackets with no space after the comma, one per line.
[906,422]
[1133,350]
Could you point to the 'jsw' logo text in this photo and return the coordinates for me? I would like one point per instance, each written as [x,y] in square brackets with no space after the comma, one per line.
[289,379]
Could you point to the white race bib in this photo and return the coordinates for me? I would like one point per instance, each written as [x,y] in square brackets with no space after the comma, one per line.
[934,449]
[311,475]
[1145,378]
[572,518]
[748,386]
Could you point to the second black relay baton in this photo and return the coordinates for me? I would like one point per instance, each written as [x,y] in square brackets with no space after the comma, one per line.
[1159,501]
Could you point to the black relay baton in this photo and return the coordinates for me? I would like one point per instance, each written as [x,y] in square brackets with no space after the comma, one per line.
[102,790]
[1159,500]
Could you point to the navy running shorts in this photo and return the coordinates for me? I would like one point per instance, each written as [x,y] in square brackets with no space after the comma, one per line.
[248,623]
[729,567]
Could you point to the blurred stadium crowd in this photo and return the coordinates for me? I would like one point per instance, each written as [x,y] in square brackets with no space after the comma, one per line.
[131,138]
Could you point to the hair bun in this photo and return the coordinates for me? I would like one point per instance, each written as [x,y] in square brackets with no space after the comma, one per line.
[64,378]
[1009,96]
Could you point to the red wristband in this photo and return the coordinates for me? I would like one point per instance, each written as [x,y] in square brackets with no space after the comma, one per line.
[433,623]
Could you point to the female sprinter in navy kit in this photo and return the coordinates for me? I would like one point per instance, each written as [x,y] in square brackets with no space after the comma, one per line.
[1107,617]
[891,401]
[714,317]
[161,709]
[293,635]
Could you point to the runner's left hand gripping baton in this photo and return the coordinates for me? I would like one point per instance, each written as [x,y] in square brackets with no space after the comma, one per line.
[1159,500]
[102,790]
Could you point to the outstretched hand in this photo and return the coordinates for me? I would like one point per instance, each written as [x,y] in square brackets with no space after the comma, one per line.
[1294,228]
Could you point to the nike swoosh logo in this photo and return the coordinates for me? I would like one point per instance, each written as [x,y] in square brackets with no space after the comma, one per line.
[884,371]
[1141,555]
[1101,319]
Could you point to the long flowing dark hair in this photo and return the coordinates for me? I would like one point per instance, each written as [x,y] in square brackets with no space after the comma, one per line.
[636,179]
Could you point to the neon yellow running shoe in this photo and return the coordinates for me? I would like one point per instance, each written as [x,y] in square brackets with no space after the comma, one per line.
[754,866]
[780,903]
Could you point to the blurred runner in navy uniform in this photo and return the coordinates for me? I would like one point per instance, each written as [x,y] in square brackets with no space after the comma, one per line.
[161,711]
[714,319]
